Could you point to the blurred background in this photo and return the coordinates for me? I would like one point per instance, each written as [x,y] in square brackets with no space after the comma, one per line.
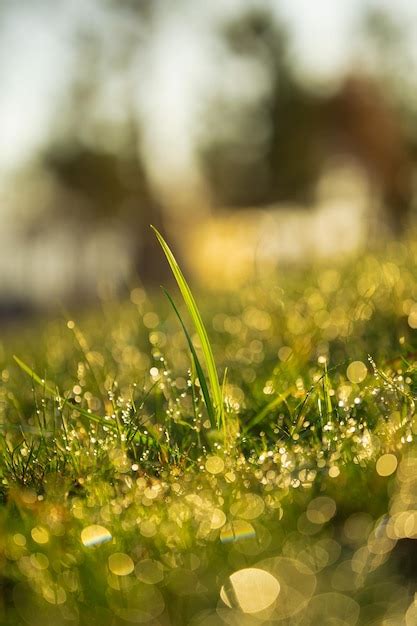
[255,134]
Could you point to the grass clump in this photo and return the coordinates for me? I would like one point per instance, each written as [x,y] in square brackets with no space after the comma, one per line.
[137,489]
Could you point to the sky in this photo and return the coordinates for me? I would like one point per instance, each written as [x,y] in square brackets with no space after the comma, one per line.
[177,69]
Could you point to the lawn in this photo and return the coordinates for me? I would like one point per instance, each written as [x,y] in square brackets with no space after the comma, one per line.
[246,461]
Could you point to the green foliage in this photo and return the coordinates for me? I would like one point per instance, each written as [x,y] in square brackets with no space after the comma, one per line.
[123,502]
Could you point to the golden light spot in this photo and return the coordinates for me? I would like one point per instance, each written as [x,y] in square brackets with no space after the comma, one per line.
[19,539]
[334,471]
[356,372]
[218,519]
[257,318]
[321,510]
[150,320]
[250,506]
[297,584]
[214,465]
[70,324]
[251,590]
[412,317]
[54,594]
[40,535]
[230,477]
[284,353]
[120,564]
[138,296]
[386,464]
[152,492]
[39,561]
[149,571]
[147,528]
[402,525]
[94,535]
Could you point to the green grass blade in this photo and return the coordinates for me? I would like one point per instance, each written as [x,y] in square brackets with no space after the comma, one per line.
[326,387]
[37,379]
[199,369]
[222,415]
[199,326]
[259,417]
[54,393]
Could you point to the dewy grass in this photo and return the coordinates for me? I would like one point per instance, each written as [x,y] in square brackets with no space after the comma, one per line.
[54,394]
[121,504]
[216,406]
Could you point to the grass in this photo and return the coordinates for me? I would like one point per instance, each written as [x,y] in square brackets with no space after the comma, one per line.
[214,407]
[138,489]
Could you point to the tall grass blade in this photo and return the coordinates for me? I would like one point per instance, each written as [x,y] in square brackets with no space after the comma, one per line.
[199,370]
[199,326]
[222,416]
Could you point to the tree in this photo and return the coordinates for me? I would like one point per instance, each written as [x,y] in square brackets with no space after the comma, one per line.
[97,163]
[277,144]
